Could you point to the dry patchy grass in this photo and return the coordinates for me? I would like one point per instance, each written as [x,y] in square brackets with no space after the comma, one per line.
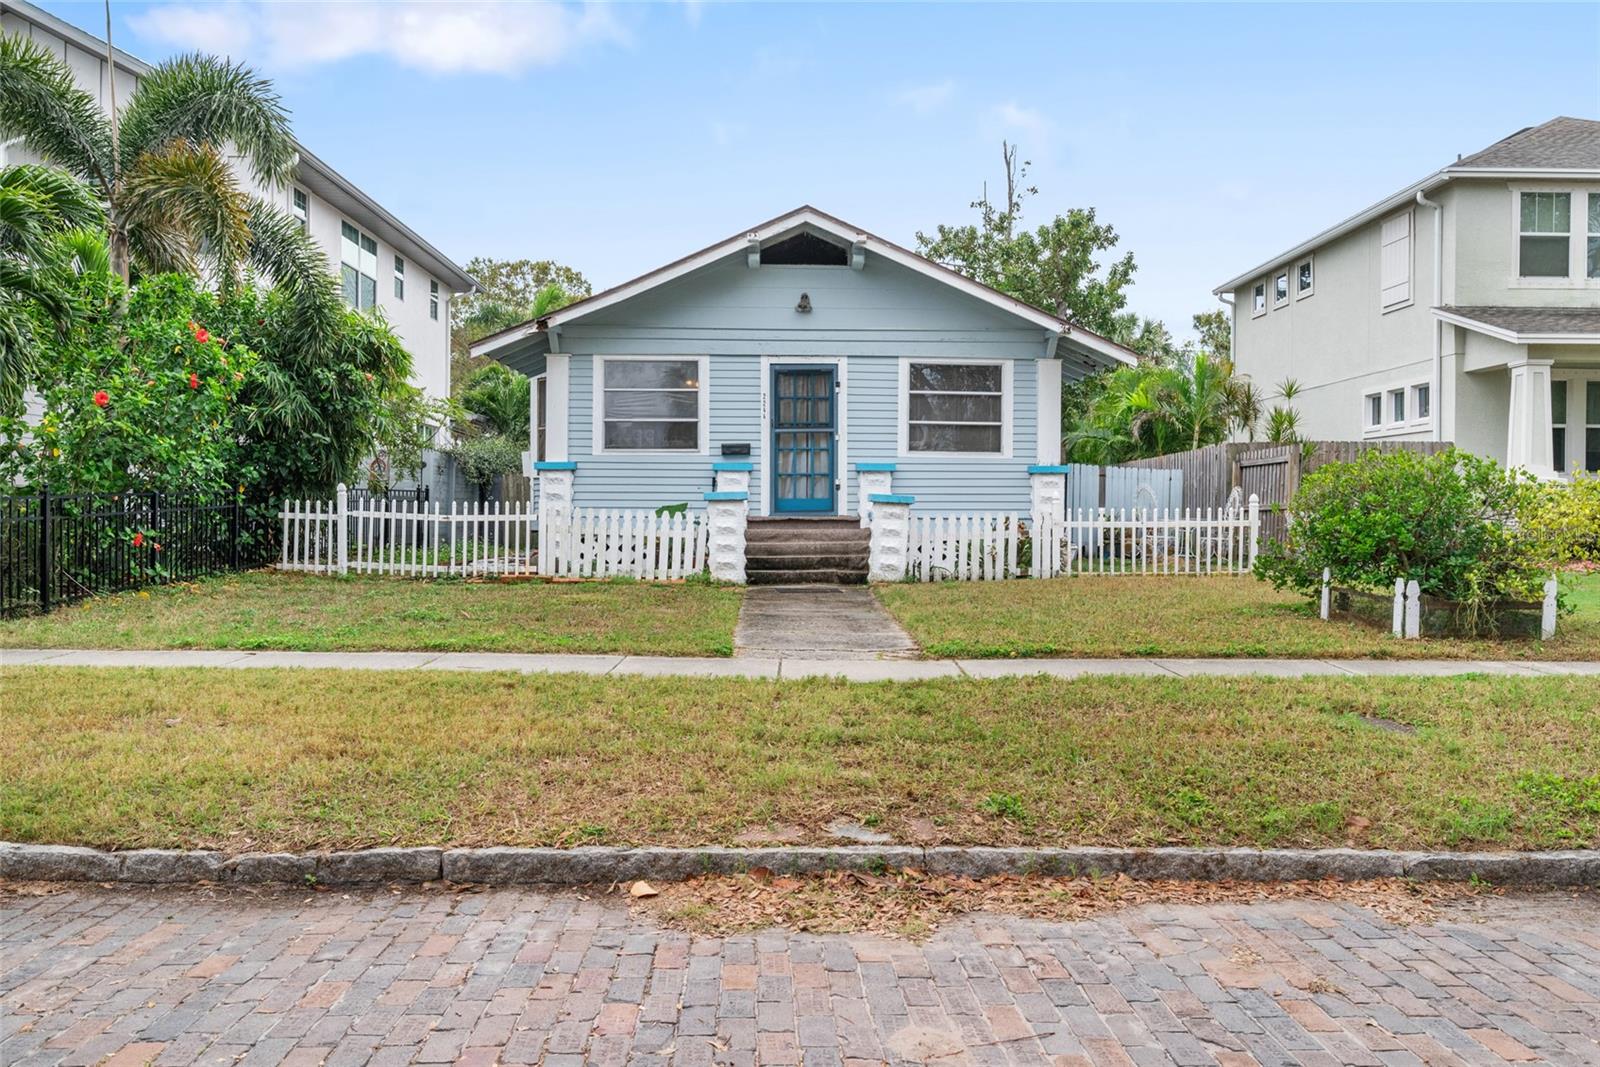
[312,613]
[1181,616]
[299,759]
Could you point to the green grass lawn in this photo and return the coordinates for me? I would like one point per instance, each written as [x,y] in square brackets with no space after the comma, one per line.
[265,609]
[299,759]
[1140,616]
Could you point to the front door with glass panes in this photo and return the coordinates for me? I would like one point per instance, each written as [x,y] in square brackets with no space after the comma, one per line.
[1575,424]
[804,420]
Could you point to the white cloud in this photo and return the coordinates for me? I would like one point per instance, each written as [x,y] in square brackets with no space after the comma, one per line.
[1014,116]
[925,99]
[441,38]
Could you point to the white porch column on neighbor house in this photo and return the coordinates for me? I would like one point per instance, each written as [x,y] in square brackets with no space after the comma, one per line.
[890,548]
[727,514]
[556,482]
[732,476]
[873,479]
[1528,423]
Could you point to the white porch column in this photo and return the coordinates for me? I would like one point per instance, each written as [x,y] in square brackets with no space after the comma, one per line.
[726,516]
[873,479]
[557,389]
[1049,492]
[556,479]
[731,476]
[1528,422]
[891,537]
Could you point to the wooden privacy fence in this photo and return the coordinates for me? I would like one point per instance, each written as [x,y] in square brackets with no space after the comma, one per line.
[378,535]
[1148,541]
[963,547]
[1272,473]
[631,543]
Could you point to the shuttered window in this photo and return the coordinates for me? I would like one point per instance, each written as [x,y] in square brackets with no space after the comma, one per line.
[1394,261]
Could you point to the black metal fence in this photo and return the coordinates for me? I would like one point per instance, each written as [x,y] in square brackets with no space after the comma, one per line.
[56,548]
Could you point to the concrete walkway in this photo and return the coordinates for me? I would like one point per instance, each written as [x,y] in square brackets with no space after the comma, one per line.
[820,622]
[786,665]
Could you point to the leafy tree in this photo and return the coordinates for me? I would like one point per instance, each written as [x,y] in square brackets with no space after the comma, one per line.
[1155,410]
[161,168]
[46,220]
[500,396]
[1053,267]
[510,292]
[1215,333]
[1283,421]
[485,457]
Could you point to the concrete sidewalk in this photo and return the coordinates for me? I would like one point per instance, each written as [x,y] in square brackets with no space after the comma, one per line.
[855,670]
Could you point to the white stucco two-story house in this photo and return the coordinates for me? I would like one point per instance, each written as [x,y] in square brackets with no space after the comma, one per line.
[1464,308]
[383,263]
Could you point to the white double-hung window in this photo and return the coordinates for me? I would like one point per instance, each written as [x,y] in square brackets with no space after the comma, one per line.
[1544,235]
[956,407]
[650,404]
[358,267]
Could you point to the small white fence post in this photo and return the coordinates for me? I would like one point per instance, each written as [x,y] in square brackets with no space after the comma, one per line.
[873,479]
[1049,513]
[1255,530]
[1398,622]
[890,547]
[726,516]
[555,514]
[1413,610]
[1327,592]
[341,528]
[1547,621]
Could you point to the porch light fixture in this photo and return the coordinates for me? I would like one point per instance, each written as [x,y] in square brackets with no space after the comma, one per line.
[804,307]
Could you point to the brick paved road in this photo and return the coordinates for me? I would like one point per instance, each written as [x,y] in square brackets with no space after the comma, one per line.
[130,976]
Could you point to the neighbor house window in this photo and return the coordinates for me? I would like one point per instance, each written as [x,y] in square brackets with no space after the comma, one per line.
[955,407]
[1422,401]
[399,278]
[541,392]
[1394,261]
[1545,234]
[301,204]
[1594,235]
[1558,423]
[1397,405]
[1280,289]
[1258,299]
[1591,432]
[1303,279]
[1374,410]
[433,299]
[649,404]
[358,267]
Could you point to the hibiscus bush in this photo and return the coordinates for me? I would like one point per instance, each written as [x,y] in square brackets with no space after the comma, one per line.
[1452,521]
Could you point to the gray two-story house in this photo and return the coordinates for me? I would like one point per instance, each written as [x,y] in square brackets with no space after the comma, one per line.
[1465,308]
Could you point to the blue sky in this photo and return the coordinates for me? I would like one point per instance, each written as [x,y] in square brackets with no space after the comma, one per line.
[617,138]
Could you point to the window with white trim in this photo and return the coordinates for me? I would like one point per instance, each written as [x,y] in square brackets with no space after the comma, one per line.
[433,299]
[300,206]
[1544,235]
[1258,300]
[358,267]
[1591,428]
[1593,251]
[1397,405]
[1280,289]
[1421,401]
[1374,402]
[650,404]
[1303,278]
[1558,423]
[541,395]
[399,278]
[1394,261]
[955,407]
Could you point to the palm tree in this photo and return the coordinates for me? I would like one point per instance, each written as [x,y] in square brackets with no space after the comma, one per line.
[161,171]
[46,218]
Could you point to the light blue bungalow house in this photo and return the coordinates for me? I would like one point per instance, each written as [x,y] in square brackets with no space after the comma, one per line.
[809,353]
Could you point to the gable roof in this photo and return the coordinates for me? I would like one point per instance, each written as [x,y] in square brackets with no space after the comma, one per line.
[1562,147]
[1086,342]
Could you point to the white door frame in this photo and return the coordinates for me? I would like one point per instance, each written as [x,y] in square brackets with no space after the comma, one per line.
[841,375]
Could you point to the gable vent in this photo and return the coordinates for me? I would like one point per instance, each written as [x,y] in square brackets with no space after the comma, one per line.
[805,250]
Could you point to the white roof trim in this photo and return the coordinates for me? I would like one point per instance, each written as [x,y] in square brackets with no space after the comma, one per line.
[1503,334]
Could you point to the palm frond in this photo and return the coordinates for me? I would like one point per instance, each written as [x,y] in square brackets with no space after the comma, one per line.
[40,103]
[180,199]
[38,202]
[203,99]
[288,256]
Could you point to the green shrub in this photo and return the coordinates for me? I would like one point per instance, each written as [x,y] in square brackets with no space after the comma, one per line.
[1566,517]
[1452,521]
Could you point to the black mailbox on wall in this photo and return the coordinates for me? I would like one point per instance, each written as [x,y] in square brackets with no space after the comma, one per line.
[736,450]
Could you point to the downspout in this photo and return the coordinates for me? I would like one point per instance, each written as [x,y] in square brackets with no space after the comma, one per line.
[1437,387]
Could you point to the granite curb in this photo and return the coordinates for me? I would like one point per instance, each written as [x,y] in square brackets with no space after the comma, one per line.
[600,865]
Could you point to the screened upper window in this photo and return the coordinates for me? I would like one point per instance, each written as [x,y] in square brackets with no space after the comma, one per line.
[1545,235]
[399,278]
[955,407]
[358,267]
[1280,289]
[1303,278]
[1258,299]
[651,404]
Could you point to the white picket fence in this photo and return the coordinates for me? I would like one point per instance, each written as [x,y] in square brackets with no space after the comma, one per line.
[965,548]
[404,537]
[1161,541]
[607,543]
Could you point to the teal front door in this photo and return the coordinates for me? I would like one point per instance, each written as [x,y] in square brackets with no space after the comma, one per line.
[803,424]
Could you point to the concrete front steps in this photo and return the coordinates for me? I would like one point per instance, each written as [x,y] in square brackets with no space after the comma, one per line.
[821,551]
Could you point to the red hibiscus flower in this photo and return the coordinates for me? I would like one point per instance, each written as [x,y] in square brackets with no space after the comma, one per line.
[101,398]
[138,539]
[201,334]
[194,380]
